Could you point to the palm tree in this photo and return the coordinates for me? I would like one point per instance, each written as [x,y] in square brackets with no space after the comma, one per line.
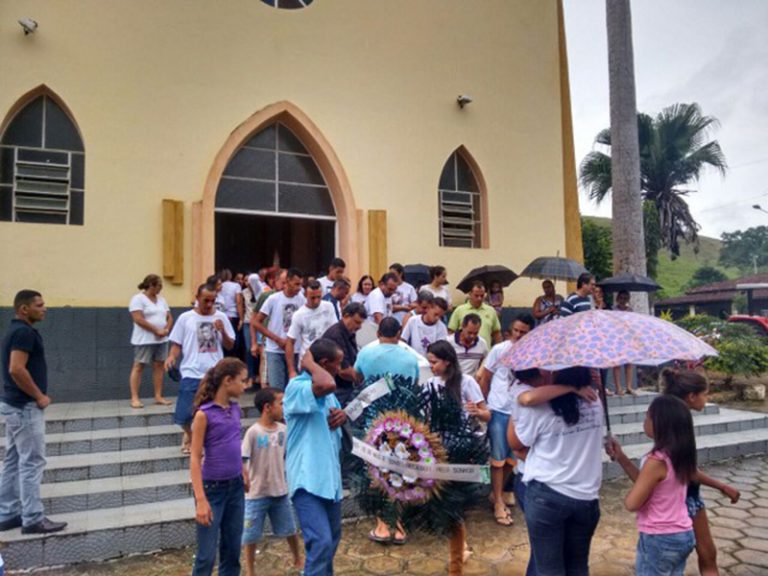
[627,226]
[674,152]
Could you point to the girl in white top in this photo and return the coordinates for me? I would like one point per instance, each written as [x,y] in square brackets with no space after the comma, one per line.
[364,288]
[447,372]
[438,285]
[152,323]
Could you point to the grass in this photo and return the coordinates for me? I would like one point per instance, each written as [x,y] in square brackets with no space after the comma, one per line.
[674,275]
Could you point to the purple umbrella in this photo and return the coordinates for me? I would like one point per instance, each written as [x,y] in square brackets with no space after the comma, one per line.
[603,339]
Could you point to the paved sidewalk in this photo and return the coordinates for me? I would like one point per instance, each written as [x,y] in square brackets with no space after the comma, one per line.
[740,530]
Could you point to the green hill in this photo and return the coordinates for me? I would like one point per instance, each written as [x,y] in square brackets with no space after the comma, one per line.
[674,275]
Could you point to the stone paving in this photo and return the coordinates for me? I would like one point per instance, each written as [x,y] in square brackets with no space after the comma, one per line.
[740,531]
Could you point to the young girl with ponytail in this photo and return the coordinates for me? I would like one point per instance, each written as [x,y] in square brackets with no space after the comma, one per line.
[693,389]
[219,481]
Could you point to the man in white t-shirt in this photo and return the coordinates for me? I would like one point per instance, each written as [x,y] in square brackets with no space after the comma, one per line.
[421,331]
[470,347]
[307,325]
[335,272]
[379,303]
[404,298]
[231,295]
[496,383]
[258,282]
[278,312]
[200,336]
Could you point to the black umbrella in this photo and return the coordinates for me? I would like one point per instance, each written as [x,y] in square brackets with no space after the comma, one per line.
[487,275]
[416,274]
[629,282]
[554,268]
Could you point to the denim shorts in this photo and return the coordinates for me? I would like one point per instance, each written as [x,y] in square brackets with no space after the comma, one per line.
[694,504]
[280,514]
[663,554]
[149,353]
[497,435]
[187,390]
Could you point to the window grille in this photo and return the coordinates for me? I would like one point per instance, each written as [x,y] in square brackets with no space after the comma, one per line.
[460,209]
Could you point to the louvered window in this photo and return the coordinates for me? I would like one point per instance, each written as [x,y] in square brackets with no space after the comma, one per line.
[42,166]
[459,197]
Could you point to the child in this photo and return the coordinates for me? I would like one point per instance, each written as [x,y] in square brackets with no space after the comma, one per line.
[659,491]
[466,391]
[692,388]
[264,455]
[218,482]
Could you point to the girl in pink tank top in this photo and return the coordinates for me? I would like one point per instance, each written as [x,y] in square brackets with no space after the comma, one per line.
[660,487]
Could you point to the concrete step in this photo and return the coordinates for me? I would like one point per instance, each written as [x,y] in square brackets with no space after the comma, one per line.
[115,492]
[108,414]
[704,424]
[109,440]
[710,448]
[636,413]
[642,398]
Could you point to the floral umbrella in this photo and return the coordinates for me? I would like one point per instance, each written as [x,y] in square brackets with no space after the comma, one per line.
[603,339]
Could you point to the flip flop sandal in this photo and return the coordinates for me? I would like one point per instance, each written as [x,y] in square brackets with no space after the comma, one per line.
[373,537]
[400,541]
[137,405]
[504,520]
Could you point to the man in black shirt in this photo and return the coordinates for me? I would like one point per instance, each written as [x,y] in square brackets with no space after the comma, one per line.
[343,334]
[25,396]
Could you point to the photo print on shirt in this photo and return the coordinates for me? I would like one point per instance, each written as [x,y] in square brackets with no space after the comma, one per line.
[206,337]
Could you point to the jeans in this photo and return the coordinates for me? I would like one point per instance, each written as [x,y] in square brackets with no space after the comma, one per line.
[23,464]
[519,490]
[663,554]
[560,530]
[277,370]
[320,521]
[227,501]
[250,361]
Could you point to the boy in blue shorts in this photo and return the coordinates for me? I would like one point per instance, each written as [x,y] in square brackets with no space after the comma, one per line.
[264,455]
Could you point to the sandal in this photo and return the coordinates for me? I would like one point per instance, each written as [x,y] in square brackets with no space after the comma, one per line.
[136,404]
[163,402]
[373,537]
[400,541]
[504,519]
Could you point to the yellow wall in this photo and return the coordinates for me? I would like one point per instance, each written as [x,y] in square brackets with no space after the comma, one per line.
[156,88]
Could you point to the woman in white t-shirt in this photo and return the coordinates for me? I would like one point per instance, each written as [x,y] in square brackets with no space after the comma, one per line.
[563,470]
[152,322]
[438,284]
[364,288]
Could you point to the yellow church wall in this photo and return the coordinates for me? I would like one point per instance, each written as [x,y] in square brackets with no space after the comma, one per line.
[157,87]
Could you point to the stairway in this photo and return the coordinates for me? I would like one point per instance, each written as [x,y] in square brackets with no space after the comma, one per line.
[118,477]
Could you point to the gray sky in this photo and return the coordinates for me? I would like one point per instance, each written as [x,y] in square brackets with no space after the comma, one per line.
[714,52]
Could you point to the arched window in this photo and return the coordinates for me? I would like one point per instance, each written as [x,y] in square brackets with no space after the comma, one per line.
[460,201]
[274,172]
[288,4]
[42,166]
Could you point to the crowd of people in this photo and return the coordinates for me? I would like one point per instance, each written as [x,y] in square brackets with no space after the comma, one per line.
[292,337]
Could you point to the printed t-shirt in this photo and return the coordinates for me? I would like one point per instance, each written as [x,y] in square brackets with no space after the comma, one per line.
[360,298]
[470,389]
[499,398]
[326,284]
[665,511]
[489,320]
[257,286]
[23,338]
[229,292]
[200,342]
[312,449]
[405,295]
[308,324]
[377,359]
[514,414]
[469,358]
[264,453]
[568,459]
[575,304]
[156,313]
[378,304]
[419,335]
[279,310]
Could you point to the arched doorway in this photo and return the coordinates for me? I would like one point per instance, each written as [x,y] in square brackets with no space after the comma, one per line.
[313,220]
[273,206]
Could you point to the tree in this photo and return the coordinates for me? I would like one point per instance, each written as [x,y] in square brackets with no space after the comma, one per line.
[706,275]
[598,249]
[745,250]
[627,215]
[674,152]
[652,238]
